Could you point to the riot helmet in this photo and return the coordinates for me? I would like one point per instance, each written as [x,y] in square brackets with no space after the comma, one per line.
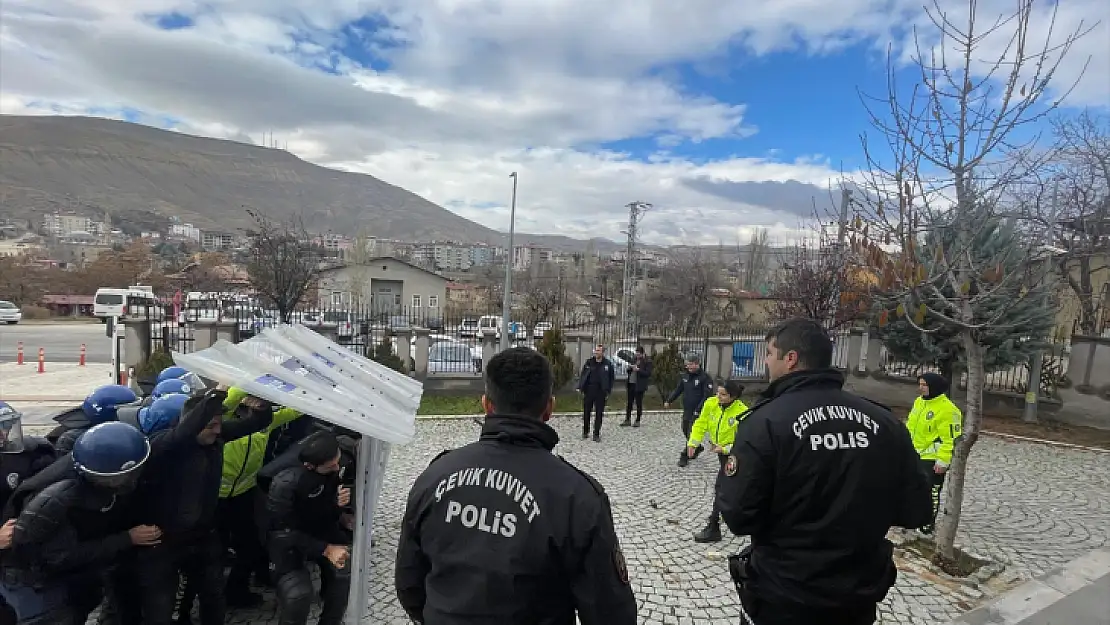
[162,414]
[175,387]
[111,455]
[100,406]
[195,383]
[11,429]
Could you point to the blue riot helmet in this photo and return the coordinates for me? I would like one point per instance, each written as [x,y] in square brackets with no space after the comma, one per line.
[162,414]
[101,404]
[179,386]
[111,455]
[11,429]
[171,373]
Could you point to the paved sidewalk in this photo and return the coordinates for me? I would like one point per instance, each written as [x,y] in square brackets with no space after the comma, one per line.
[60,382]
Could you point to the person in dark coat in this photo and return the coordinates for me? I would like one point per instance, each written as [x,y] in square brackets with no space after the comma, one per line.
[816,477]
[694,386]
[595,383]
[639,379]
[503,530]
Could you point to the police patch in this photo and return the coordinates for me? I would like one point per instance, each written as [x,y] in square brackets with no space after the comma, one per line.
[730,466]
[930,415]
[13,480]
[622,566]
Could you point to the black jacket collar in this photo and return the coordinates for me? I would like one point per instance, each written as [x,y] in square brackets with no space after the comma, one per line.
[519,430]
[804,380]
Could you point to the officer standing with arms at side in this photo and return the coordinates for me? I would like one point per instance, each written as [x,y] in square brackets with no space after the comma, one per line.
[595,382]
[934,423]
[695,386]
[817,477]
[504,531]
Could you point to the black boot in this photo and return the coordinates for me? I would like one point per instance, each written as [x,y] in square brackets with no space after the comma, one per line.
[683,459]
[637,423]
[697,452]
[585,434]
[711,533]
[597,437]
[626,423]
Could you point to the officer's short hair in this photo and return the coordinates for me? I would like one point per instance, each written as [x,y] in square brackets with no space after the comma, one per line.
[519,381]
[734,388]
[807,338]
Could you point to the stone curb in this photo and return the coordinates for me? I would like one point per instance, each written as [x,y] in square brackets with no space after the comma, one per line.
[1056,589]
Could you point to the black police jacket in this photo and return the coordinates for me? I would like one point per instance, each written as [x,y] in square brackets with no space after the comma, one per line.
[302,517]
[37,454]
[817,477]
[503,531]
[67,529]
[694,388]
[180,486]
[600,371]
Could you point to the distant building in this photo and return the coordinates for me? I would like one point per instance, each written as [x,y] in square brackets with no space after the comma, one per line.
[59,224]
[482,255]
[386,285]
[25,246]
[188,232]
[214,240]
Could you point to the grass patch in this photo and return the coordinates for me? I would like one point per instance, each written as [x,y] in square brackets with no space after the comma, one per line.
[566,402]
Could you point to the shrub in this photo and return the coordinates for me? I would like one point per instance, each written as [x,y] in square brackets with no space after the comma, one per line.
[554,348]
[152,366]
[666,369]
[35,312]
[384,355]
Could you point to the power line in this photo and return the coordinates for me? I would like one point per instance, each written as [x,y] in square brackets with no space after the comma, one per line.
[635,211]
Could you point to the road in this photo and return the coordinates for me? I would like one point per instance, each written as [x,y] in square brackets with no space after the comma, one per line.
[61,341]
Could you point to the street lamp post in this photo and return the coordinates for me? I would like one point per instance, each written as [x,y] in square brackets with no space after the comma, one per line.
[506,302]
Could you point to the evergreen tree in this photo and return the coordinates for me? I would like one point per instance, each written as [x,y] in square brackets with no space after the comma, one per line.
[1019,313]
[384,355]
[666,367]
[554,348]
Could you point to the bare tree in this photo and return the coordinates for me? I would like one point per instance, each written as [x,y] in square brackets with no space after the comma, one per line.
[1080,189]
[686,291]
[207,274]
[755,269]
[283,263]
[539,295]
[818,281]
[955,149]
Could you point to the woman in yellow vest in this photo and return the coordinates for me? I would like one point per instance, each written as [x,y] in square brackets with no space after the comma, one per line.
[719,417]
[934,424]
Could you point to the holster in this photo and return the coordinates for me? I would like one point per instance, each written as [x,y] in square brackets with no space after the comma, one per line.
[739,568]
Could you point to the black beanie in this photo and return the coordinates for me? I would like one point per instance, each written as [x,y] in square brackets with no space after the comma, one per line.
[320,448]
[936,382]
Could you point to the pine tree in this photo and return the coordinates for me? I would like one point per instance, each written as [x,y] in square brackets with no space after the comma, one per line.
[666,368]
[1021,314]
[554,348]
[384,355]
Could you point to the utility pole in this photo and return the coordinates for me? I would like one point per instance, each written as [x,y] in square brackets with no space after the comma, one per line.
[1036,361]
[635,211]
[507,301]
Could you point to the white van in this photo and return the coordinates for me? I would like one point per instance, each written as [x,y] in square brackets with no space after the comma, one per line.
[116,302]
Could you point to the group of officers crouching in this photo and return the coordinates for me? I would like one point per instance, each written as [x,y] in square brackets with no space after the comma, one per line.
[130,495]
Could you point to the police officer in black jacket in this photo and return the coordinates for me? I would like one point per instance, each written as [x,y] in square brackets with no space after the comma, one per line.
[20,456]
[595,382]
[504,531]
[304,514]
[695,386]
[817,477]
[179,494]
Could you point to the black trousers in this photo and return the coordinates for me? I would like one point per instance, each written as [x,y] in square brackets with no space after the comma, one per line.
[159,569]
[937,480]
[763,613]
[592,401]
[294,593]
[715,515]
[688,419]
[239,531]
[637,398]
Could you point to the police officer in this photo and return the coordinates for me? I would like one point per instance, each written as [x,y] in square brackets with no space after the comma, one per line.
[506,513]
[817,476]
[75,526]
[719,418]
[179,493]
[595,382]
[306,524]
[695,386]
[20,456]
[99,407]
[934,423]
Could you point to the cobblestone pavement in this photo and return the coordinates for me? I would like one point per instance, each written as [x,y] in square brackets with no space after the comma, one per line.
[1034,506]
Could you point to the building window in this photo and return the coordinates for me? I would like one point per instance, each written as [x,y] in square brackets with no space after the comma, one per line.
[433,301]
[416,301]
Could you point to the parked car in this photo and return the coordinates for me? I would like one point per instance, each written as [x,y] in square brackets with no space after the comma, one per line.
[451,357]
[540,329]
[10,313]
[469,328]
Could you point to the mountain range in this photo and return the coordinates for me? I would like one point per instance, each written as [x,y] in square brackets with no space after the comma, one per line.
[144,176]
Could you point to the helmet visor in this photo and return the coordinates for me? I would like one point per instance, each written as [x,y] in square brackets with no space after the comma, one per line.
[195,383]
[11,433]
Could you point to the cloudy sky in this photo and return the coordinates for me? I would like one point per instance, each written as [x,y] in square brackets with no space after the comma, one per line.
[725,114]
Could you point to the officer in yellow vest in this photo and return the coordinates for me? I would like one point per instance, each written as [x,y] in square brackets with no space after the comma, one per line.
[719,417]
[934,423]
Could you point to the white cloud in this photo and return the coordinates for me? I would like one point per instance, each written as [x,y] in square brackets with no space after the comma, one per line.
[476,90]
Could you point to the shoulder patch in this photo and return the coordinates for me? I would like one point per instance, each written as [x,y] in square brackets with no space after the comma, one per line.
[596,485]
[440,455]
[731,466]
[621,565]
